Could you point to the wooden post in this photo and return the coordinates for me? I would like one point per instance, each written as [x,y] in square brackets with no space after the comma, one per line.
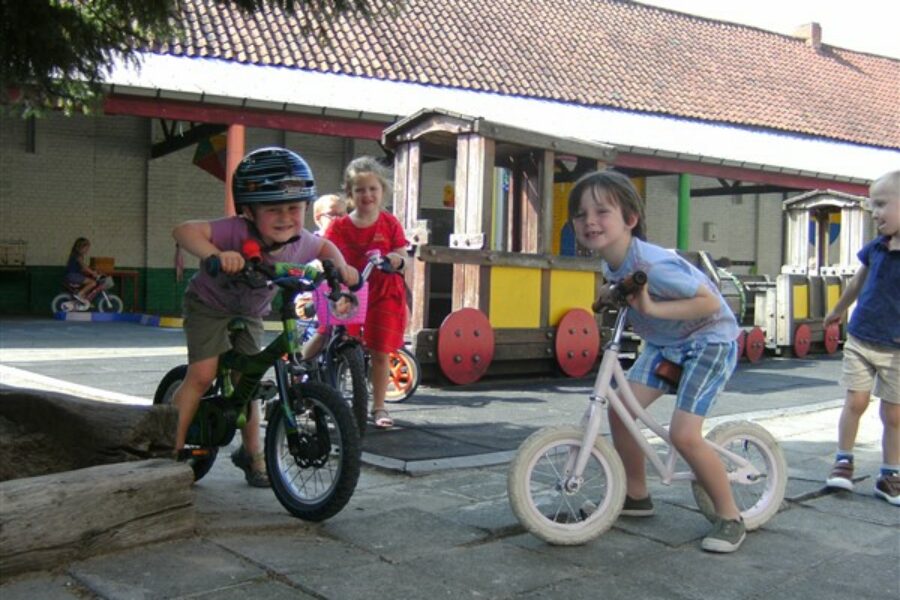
[407,169]
[234,152]
[472,216]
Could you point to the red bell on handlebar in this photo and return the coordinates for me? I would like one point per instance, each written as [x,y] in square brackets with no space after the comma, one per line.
[250,250]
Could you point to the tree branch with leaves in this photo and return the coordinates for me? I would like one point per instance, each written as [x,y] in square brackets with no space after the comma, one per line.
[56,53]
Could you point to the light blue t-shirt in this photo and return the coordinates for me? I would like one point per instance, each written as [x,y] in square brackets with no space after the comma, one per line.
[670,277]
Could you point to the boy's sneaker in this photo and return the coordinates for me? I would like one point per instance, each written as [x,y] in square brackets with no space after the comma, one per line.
[243,461]
[841,475]
[888,488]
[637,508]
[726,536]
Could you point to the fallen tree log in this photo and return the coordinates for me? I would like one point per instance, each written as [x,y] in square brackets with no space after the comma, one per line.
[46,432]
[49,520]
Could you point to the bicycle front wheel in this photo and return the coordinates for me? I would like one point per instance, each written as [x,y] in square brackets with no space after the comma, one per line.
[758,497]
[404,376]
[315,470]
[547,501]
[110,303]
[350,367]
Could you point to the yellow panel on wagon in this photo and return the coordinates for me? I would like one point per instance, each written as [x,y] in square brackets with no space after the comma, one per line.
[515,297]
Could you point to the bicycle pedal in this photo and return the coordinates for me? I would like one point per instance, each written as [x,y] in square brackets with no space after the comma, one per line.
[186,454]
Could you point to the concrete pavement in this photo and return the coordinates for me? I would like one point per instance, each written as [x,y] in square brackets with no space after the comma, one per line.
[433,520]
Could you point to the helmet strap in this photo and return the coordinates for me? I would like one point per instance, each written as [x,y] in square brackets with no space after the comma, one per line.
[267,248]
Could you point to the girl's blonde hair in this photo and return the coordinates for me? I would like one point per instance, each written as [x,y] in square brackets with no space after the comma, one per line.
[618,189]
[366,165]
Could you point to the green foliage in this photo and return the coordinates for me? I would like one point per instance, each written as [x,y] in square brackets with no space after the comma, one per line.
[55,53]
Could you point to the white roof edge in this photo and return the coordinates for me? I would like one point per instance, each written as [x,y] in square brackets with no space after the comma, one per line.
[228,83]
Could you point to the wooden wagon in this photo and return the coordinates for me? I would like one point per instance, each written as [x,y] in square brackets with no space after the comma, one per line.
[492,287]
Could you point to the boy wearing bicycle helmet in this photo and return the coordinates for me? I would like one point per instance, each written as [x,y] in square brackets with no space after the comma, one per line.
[272,188]
[682,319]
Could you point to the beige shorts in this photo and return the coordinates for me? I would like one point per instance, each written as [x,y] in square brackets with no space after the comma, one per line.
[866,364]
[206,330]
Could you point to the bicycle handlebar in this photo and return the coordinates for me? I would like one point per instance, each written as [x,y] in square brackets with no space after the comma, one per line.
[375,261]
[293,276]
[621,290]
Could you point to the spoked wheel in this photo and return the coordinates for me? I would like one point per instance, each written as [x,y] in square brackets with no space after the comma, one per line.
[551,505]
[350,366]
[63,303]
[110,303]
[758,496]
[403,377]
[313,472]
[165,392]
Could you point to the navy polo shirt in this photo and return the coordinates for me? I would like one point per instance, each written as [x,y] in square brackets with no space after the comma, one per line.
[876,318]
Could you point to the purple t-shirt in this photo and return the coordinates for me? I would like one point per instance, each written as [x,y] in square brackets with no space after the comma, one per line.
[221,293]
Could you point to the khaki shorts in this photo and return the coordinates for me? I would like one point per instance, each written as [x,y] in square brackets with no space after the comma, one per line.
[206,330]
[866,364]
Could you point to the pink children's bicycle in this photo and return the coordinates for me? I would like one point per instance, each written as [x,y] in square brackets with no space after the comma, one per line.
[68,301]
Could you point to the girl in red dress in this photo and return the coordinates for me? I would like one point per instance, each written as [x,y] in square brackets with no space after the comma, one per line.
[368,227]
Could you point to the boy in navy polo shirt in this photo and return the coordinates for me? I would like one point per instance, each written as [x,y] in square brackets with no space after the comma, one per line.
[872,349]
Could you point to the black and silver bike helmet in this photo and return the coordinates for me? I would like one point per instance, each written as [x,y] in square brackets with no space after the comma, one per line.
[272,176]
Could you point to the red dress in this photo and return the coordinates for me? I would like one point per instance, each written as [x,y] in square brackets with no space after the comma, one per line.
[386,312]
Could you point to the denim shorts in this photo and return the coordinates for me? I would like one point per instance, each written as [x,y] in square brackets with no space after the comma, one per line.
[705,369]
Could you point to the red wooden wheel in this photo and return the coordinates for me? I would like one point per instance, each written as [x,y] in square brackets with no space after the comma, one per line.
[755,345]
[577,342]
[802,340]
[465,346]
[832,338]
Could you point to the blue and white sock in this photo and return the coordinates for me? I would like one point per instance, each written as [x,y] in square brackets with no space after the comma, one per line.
[841,455]
[887,469]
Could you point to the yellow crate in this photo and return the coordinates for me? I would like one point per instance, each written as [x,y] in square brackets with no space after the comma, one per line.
[104,264]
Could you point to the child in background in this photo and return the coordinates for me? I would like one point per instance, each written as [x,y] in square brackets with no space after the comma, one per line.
[77,271]
[272,188]
[368,227]
[683,319]
[872,349]
[326,209]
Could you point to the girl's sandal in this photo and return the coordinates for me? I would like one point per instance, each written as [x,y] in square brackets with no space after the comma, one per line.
[382,418]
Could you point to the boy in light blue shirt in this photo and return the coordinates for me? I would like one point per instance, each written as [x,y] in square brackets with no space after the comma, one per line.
[683,319]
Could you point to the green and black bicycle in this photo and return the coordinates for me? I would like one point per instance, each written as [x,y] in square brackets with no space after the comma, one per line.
[312,445]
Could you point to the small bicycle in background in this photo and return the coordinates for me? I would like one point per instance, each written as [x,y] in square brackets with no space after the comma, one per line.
[68,301]
[566,484]
[312,446]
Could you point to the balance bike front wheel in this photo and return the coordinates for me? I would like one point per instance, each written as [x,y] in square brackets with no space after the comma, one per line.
[543,497]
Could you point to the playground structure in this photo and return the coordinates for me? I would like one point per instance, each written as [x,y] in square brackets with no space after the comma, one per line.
[504,289]
[493,290]
[825,229]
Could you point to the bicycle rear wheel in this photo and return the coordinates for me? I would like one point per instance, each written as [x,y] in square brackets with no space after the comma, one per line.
[758,498]
[543,498]
[165,392]
[403,378]
[313,472]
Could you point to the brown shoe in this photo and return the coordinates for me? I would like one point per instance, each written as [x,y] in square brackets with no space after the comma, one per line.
[888,489]
[841,475]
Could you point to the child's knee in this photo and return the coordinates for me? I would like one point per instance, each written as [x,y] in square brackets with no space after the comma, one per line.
[890,414]
[685,439]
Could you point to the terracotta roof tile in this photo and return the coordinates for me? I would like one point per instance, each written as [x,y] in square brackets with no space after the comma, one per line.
[612,53]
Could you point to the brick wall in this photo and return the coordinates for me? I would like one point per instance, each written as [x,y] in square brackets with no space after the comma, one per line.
[91,176]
